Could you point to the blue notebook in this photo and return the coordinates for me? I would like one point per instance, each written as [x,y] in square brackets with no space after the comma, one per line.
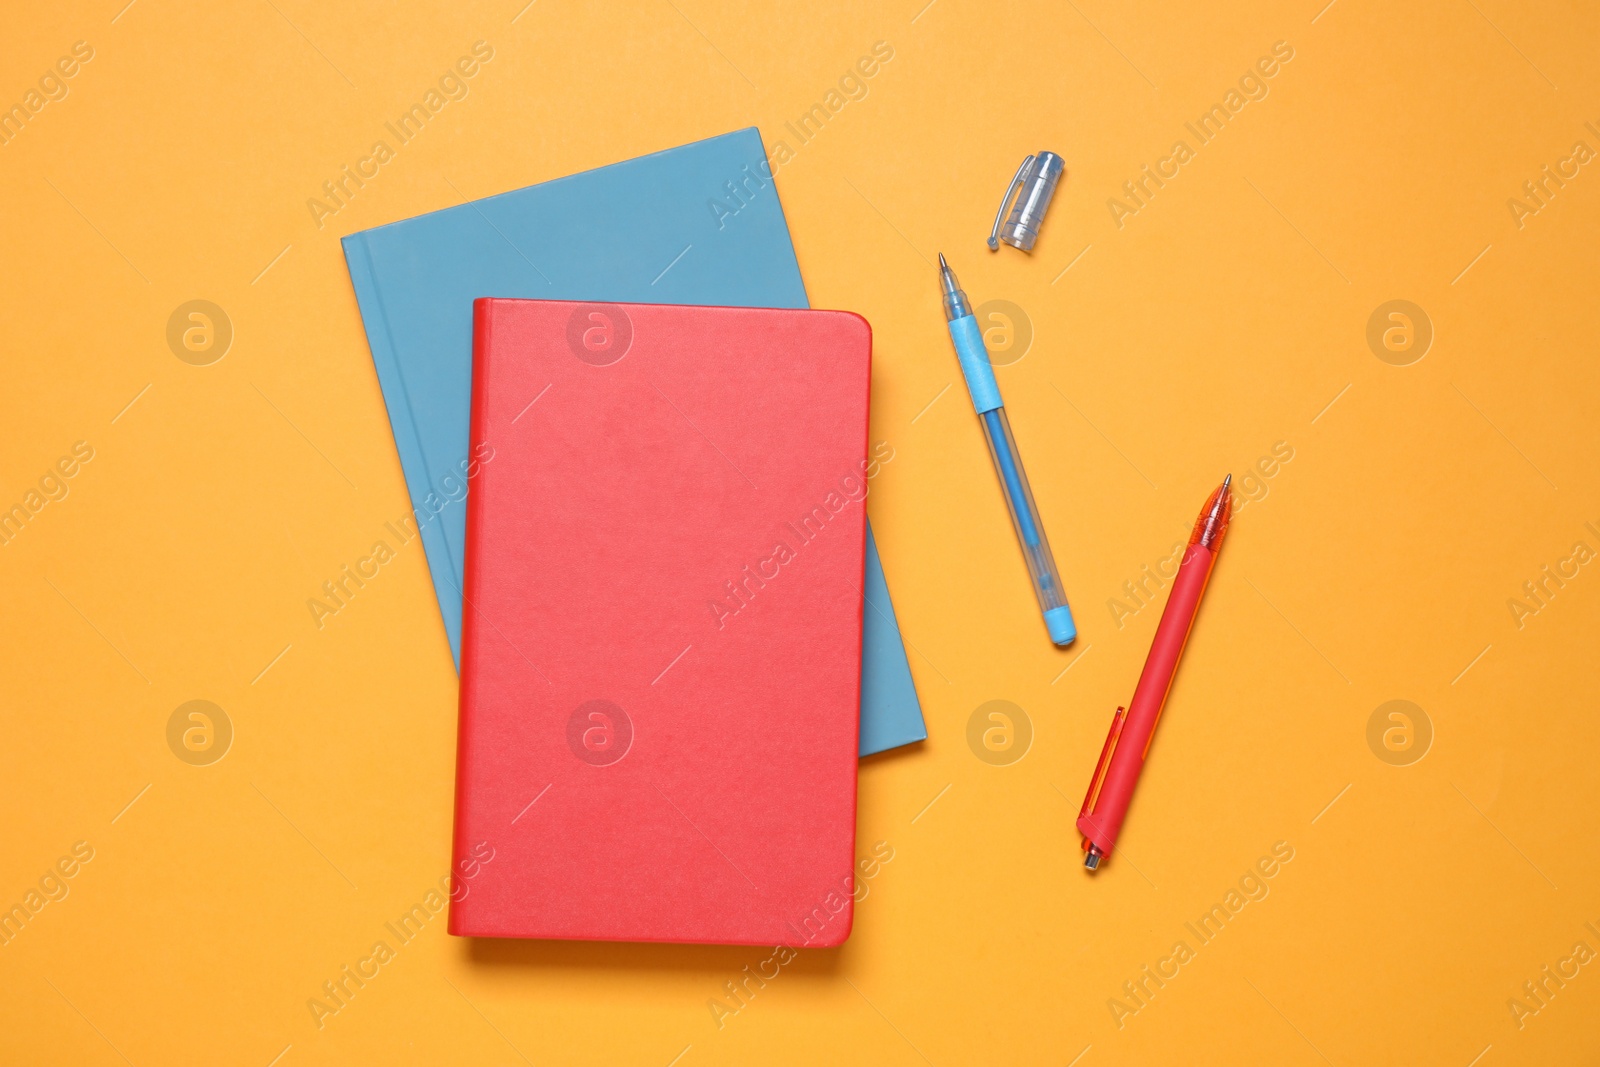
[663,229]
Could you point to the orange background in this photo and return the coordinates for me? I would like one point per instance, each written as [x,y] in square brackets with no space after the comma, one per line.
[1227,315]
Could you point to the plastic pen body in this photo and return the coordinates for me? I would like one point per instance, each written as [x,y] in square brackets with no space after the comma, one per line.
[1122,760]
[985,392]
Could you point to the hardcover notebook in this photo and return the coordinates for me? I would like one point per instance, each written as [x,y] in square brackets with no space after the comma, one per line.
[641,230]
[660,662]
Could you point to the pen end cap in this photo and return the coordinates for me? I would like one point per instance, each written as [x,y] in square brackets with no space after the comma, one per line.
[1058,621]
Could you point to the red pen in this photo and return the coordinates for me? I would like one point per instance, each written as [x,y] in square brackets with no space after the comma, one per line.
[1122,758]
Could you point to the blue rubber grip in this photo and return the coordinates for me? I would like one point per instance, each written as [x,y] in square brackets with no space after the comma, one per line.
[975,364]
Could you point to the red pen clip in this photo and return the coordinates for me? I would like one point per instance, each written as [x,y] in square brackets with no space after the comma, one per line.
[1100,768]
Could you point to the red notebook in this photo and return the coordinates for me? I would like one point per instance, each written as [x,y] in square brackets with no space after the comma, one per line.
[661,651]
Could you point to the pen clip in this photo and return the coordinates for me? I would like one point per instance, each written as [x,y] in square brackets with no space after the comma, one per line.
[1005,203]
[1093,794]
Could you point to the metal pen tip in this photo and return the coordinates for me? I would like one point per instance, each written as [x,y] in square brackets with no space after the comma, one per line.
[955,301]
[1213,521]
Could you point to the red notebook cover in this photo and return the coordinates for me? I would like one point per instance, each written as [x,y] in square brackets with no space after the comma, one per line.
[661,652]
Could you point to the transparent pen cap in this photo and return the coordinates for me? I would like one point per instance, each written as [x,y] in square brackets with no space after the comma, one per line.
[1033,186]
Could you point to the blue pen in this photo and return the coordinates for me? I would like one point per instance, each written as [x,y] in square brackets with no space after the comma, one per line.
[975,367]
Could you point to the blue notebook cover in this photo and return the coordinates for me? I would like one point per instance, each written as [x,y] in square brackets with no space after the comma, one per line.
[646,231]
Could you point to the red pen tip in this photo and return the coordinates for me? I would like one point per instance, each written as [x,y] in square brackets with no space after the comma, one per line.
[1213,522]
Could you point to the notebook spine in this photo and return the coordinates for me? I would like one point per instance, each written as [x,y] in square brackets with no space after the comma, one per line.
[467,699]
[407,438]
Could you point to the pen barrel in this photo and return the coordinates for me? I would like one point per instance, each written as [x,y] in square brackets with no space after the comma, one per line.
[1103,822]
[1024,513]
[1041,563]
